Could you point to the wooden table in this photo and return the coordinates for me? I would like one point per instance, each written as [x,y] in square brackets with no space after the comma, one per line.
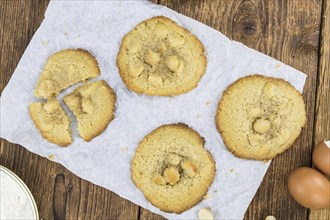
[295,32]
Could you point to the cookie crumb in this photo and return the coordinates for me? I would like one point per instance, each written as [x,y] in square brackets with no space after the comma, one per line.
[124,149]
[270,217]
[278,65]
[51,157]
[205,214]
[207,196]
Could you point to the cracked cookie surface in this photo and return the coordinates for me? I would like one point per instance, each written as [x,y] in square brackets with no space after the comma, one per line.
[260,117]
[158,57]
[51,121]
[93,104]
[172,168]
[63,69]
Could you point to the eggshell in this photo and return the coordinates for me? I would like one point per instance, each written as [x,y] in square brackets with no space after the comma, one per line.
[321,157]
[309,188]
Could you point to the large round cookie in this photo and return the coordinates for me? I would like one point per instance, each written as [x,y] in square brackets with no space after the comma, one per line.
[172,168]
[158,57]
[260,117]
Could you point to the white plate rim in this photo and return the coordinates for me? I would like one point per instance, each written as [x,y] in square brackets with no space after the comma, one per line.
[24,188]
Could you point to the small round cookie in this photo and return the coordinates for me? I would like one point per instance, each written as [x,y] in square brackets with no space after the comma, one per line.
[260,117]
[160,58]
[172,168]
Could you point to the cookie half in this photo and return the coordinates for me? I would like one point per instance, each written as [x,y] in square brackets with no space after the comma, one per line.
[172,168]
[52,122]
[259,117]
[160,58]
[94,105]
[64,69]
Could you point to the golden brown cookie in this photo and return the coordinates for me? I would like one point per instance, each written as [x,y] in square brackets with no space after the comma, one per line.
[158,57]
[94,105]
[172,168]
[52,122]
[63,69]
[259,117]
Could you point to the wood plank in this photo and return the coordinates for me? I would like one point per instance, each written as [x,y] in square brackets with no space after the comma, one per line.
[59,194]
[322,112]
[281,29]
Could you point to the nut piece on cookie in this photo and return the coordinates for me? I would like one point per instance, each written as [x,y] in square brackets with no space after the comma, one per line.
[172,175]
[135,46]
[45,87]
[190,167]
[47,125]
[155,80]
[173,159]
[162,48]
[51,106]
[176,40]
[152,58]
[269,89]
[161,29]
[172,62]
[87,105]
[135,68]
[261,125]
[159,180]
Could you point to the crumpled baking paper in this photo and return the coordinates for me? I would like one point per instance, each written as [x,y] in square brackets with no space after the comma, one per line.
[99,26]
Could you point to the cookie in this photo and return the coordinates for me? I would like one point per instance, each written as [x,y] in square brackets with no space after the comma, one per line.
[52,122]
[93,104]
[172,168]
[64,69]
[160,58]
[260,117]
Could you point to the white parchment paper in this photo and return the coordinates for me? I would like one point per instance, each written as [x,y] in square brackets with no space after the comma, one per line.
[99,27]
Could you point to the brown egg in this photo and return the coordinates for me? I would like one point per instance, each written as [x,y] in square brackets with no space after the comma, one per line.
[309,188]
[321,157]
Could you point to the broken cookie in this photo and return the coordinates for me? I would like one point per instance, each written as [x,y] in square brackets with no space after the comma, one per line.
[51,121]
[93,104]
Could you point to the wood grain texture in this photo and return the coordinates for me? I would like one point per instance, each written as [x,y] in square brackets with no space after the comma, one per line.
[286,30]
[322,111]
